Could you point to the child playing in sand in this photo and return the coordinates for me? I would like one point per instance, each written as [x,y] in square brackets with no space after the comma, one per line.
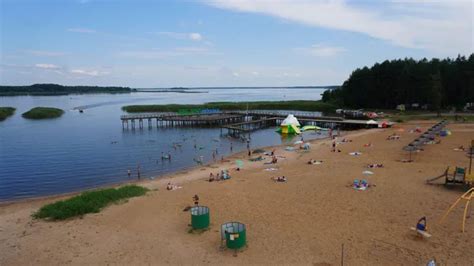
[274,160]
[196,200]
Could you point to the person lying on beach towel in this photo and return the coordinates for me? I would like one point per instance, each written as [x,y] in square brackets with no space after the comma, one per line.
[356,153]
[344,140]
[375,165]
[368,145]
[393,137]
[172,187]
[279,179]
[259,158]
[271,169]
[460,148]
[314,162]
[361,184]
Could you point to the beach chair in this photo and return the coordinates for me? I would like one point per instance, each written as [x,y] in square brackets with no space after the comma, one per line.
[459,175]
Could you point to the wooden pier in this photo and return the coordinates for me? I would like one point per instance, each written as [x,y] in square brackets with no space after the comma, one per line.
[238,122]
[174,120]
[249,126]
[252,125]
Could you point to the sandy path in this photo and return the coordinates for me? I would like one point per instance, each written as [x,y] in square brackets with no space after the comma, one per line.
[303,221]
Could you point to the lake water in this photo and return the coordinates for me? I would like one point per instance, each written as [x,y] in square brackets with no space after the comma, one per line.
[85,150]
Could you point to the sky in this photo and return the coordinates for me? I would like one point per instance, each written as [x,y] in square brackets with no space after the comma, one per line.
[212,43]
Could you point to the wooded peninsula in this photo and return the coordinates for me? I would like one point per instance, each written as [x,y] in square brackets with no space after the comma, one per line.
[435,84]
[55,90]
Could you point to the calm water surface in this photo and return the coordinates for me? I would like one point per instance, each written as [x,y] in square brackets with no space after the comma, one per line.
[83,151]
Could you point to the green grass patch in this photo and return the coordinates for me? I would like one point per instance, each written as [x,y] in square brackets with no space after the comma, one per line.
[43,113]
[88,202]
[5,112]
[227,106]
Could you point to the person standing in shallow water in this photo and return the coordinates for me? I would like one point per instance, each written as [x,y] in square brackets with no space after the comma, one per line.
[231,148]
[129,173]
[138,172]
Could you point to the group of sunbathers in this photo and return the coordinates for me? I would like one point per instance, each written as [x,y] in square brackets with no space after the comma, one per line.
[279,179]
[223,175]
[393,137]
[375,165]
[172,186]
[360,184]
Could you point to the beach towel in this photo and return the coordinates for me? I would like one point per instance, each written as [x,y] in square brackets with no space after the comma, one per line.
[271,169]
[360,188]
[259,158]
[367,173]
[356,153]
[289,149]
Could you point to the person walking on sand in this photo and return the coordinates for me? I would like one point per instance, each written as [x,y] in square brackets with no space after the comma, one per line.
[333,145]
[250,153]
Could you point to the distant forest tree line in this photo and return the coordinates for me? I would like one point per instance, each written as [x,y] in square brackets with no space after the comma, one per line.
[435,84]
[55,89]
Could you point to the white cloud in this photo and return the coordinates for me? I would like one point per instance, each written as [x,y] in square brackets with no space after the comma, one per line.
[161,54]
[47,66]
[321,50]
[81,30]
[255,73]
[92,73]
[192,49]
[235,74]
[45,53]
[193,36]
[291,75]
[440,26]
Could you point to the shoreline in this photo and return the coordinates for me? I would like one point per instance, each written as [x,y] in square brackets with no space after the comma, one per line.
[313,213]
[163,179]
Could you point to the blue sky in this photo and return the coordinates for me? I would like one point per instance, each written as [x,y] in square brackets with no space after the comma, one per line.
[221,43]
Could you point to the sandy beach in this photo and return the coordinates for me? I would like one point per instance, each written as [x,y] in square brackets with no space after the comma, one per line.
[303,221]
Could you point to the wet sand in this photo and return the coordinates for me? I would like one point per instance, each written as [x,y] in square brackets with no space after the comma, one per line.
[303,221]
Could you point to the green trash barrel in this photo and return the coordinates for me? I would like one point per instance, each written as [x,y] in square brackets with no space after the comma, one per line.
[234,234]
[200,217]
